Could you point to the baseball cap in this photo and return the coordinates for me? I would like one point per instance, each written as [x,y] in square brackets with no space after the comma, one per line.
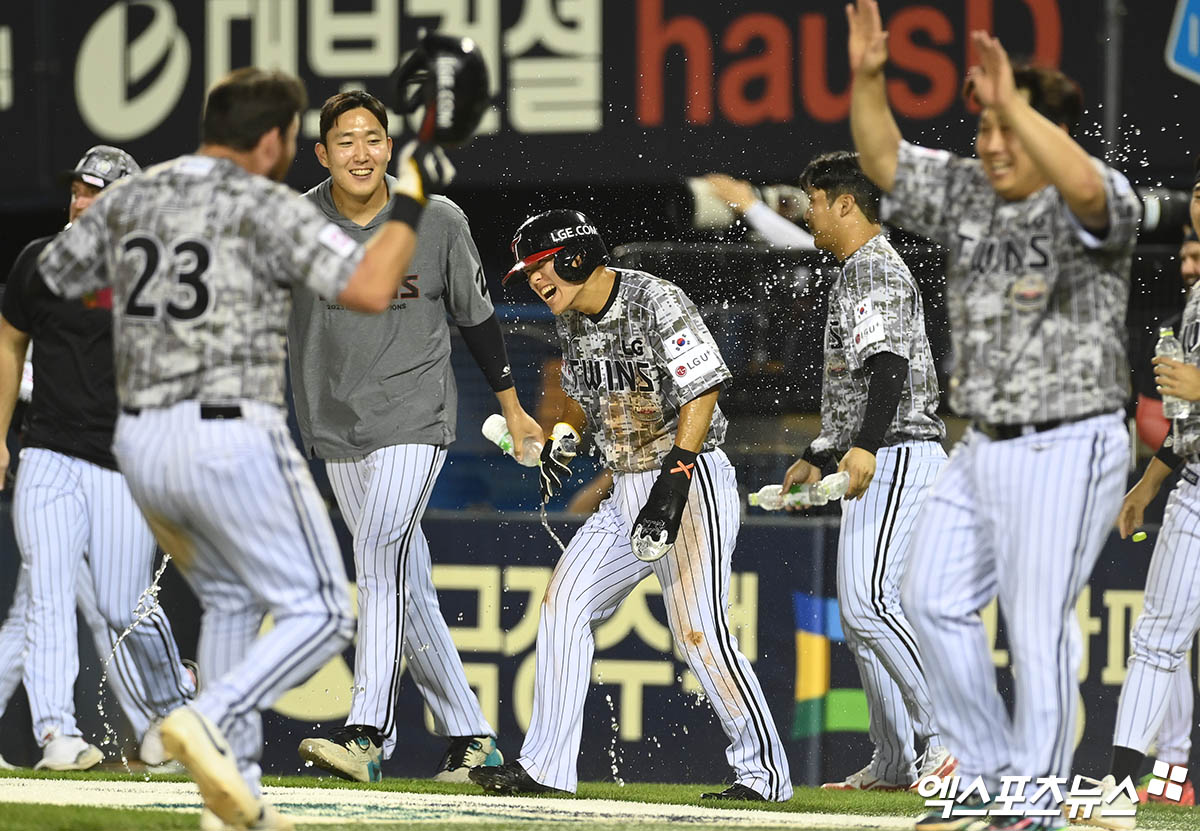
[101,166]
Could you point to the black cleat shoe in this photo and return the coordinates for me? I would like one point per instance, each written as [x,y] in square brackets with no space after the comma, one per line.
[735,792]
[508,779]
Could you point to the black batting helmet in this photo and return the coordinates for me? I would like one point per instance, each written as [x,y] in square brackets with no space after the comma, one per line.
[447,77]
[563,234]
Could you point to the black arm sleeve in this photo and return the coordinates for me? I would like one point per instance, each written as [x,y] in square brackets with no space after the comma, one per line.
[1167,455]
[486,343]
[887,372]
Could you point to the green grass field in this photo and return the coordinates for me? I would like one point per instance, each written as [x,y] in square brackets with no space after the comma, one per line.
[15,816]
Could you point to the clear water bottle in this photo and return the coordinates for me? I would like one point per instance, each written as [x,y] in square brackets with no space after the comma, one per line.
[1168,346]
[772,497]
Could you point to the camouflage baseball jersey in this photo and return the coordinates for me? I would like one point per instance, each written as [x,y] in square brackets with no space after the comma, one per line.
[635,364]
[202,256]
[875,306]
[1187,430]
[1036,302]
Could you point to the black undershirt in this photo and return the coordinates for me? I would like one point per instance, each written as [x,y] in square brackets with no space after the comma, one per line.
[74,406]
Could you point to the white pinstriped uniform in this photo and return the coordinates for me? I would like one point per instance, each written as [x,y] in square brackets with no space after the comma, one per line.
[257,539]
[67,511]
[123,677]
[1037,306]
[202,255]
[1157,687]
[382,497]
[873,552]
[597,572]
[875,306]
[632,367]
[376,399]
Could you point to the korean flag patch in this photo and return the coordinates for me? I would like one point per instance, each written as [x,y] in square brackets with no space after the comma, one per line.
[868,326]
[678,343]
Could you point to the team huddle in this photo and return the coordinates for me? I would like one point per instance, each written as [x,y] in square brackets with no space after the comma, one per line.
[164,316]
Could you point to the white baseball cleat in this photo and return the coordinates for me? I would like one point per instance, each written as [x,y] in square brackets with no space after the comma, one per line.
[69,753]
[199,745]
[4,765]
[1116,810]
[350,752]
[935,763]
[863,780]
[151,750]
[269,819]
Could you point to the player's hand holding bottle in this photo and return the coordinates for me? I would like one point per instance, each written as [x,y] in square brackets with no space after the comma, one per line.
[657,524]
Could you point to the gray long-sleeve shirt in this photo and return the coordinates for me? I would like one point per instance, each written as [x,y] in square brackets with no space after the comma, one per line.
[362,382]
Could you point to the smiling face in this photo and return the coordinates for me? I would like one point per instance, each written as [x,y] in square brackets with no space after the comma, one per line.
[1008,166]
[356,149]
[553,290]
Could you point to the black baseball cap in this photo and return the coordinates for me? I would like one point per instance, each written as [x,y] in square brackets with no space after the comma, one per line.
[101,166]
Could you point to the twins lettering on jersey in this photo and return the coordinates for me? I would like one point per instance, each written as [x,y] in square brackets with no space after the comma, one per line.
[1190,336]
[1007,253]
[613,376]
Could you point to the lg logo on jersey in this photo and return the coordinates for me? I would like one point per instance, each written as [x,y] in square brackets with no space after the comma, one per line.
[109,67]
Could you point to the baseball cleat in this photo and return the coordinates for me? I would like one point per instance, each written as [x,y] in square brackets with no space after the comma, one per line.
[351,752]
[735,792]
[863,780]
[5,765]
[69,753]
[1115,811]
[935,763]
[508,779]
[269,819]
[465,753]
[199,746]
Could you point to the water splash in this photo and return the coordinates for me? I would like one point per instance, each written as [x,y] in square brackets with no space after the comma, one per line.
[146,605]
[614,752]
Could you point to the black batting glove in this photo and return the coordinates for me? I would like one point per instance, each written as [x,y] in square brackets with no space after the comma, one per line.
[657,524]
[422,169]
[554,469]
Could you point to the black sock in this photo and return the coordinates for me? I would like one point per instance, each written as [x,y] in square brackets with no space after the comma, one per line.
[1126,762]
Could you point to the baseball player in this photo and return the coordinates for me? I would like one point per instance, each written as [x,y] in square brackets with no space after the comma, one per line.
[1039,238]
[879,422]
[640,361]
[72,510]
[375,398]
[1164,631]
[202,252]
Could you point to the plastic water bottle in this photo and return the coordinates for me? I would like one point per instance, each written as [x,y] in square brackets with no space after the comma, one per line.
[1168,346]
[495,429]
[772,497]
[566,441]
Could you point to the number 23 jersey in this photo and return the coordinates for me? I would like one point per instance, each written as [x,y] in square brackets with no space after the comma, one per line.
[202,256]
[635,364]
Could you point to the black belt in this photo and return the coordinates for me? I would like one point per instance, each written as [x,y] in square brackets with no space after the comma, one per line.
[208,412]
[1004,432]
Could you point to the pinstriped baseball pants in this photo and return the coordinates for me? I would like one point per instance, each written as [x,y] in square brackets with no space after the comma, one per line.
[235,504]
[1024,520]
[123,677]
[593,577]
[68,512]
[873,552]
[382,497]
[1164,631]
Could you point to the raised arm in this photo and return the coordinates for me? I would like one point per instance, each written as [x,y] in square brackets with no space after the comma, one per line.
[876,135]
[1059,158]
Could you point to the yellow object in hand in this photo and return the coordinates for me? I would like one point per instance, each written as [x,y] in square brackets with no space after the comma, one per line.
[1139,536]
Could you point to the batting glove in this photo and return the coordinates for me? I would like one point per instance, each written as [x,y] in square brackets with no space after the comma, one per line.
[554,466]
[657,524]
[421,170]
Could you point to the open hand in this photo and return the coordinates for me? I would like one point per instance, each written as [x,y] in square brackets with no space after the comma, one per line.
[737,193]
[868,40]
[1133,509]
[991,79]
